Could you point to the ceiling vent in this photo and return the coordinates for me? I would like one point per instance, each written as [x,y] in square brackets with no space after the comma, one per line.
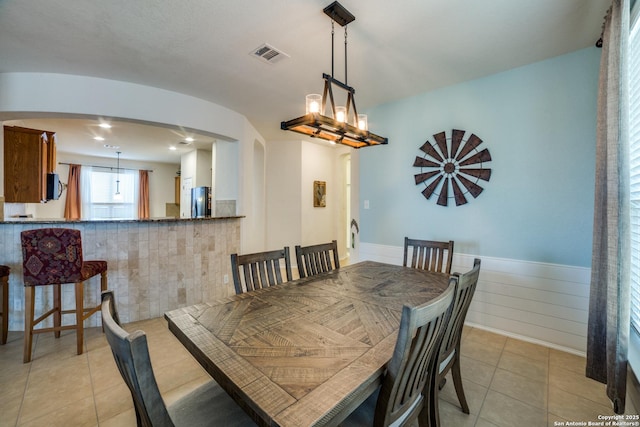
[268,53]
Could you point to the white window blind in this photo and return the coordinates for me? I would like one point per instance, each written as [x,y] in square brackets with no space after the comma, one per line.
[634,140]
[105,198]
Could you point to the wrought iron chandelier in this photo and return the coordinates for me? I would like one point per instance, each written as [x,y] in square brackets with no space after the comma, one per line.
[342,124]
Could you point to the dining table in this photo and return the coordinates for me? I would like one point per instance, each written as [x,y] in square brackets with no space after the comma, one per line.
[309,351]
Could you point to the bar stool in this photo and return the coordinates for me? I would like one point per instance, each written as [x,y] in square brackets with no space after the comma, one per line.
[53,256]
[4,283]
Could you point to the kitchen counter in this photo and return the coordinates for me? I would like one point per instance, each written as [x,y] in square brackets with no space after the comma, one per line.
[154,265]
[30,220]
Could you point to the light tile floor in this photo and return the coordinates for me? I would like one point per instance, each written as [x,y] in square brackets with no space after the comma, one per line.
[507,382]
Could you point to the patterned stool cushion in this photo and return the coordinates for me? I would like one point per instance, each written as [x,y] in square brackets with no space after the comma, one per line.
[54,255]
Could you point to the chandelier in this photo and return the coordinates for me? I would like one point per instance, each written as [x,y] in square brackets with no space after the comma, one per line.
[339,124]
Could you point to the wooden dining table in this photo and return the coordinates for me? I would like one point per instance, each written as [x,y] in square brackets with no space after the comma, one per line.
[309,351]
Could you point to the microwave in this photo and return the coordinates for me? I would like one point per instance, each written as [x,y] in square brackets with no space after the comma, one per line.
[54,190]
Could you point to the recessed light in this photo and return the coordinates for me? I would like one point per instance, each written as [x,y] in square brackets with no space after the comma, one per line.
[189,139]
[105,125]
[98,138]
[172,148]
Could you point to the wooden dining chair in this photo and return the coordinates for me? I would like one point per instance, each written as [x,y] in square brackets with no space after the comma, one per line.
[207,405]
[410,378]
[449,355]
[428,255]
[4,315]
[316,259]
[259,270]
[53,256]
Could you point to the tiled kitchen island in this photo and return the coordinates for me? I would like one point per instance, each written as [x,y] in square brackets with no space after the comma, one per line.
[154,265]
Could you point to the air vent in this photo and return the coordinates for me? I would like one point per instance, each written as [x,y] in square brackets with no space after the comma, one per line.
[268,53]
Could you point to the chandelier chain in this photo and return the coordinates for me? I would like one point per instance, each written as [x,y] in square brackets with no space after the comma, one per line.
[346,81]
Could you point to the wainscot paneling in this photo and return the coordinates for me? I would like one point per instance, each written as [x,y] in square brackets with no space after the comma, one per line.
[542,303]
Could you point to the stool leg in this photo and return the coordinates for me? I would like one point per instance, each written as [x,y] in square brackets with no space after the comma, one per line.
[29,303]
[4,282]
[80,315]
[57,305]
[103,281]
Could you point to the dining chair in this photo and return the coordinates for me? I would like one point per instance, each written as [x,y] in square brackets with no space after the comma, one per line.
[260,269]
[428,255]
[316,259]
[4,315]
[53,256]
[410,377]
[207,405]
[449,355]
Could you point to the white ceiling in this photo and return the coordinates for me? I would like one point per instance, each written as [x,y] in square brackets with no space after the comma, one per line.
[202,47]
[135,141]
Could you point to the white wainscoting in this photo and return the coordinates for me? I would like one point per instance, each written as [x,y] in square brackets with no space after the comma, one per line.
[542,303]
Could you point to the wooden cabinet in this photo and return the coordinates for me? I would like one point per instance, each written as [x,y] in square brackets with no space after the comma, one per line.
[52,161]
[28,157]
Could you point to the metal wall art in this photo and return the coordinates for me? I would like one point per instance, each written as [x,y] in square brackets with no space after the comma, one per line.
[452,168]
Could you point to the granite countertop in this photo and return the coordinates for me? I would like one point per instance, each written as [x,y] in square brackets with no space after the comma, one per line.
[22,220]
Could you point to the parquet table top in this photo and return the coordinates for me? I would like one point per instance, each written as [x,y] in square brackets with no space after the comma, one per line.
[305,352]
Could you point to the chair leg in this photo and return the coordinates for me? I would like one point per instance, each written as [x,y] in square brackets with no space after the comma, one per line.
[103,287]
[57,306]
[80,315]
[29,303]
[4,282]
[432,395]
[457,382]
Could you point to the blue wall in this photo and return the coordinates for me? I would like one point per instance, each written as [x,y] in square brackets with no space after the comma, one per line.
[538,122]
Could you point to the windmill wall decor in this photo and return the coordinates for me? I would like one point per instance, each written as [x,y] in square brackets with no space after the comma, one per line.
[452,166]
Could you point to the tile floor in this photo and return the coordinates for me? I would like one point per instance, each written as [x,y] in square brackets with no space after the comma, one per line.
[507,382]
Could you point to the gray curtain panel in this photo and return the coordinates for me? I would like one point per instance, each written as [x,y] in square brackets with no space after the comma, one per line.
[608,328]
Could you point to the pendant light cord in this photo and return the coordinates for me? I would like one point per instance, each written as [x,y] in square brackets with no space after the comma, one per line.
[346,79]
[332,32]
[118,174]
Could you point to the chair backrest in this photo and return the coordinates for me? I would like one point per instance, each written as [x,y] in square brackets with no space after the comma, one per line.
[412,370]
[259,270]
[317,259]
[131,354]
[467,283]
[429,255]
[51,256]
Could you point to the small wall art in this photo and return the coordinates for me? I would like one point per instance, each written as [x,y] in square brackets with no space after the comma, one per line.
[319,194]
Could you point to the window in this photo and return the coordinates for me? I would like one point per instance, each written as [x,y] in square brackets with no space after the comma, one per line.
[634,163]
[109,195]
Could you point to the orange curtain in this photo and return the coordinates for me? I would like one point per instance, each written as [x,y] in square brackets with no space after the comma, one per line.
[73,204]
[143,197]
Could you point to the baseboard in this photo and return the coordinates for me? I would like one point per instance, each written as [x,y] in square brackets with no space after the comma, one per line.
[527,339]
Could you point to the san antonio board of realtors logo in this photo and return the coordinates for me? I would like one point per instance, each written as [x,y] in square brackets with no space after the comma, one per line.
[452,166]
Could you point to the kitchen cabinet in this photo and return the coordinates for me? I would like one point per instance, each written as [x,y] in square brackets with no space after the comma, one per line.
[51,152]
[29,154]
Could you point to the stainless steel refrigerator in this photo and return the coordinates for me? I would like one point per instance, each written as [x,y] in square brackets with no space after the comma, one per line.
[200,202]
